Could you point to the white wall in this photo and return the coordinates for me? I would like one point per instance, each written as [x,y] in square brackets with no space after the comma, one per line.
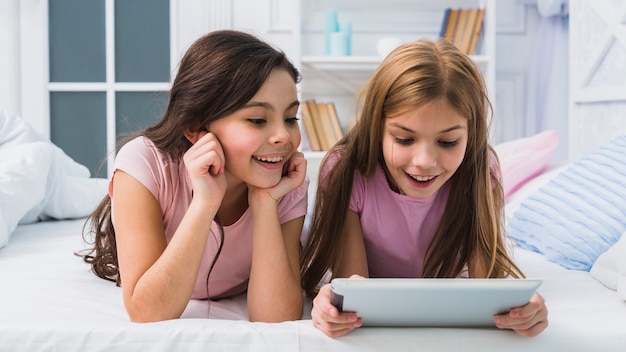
[517,25]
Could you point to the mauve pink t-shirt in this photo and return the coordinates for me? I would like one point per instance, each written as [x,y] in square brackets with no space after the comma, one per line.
[397,229]
[169,182]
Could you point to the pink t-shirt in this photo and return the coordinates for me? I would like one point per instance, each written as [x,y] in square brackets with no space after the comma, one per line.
[169,182]
[397,229]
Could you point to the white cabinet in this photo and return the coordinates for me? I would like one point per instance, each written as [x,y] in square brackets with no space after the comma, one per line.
[339,78]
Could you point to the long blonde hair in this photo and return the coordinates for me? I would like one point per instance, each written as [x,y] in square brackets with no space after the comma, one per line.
[470,234]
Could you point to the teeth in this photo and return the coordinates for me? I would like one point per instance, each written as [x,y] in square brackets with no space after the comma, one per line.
[423,178]
[269,160]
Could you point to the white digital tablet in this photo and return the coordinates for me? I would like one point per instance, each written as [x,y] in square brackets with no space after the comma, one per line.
[431,302]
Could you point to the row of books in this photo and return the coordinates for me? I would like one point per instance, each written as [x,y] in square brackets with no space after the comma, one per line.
[321,124]
[462,27]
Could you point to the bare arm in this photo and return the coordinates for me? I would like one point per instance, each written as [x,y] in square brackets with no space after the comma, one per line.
[353,261]
[274,291]
[324,315]
[158,278]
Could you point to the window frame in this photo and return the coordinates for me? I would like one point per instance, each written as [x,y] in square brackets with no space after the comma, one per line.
[188,20]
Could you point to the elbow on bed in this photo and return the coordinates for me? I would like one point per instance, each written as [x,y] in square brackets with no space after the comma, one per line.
[290,312]
[139,314]
[147,318]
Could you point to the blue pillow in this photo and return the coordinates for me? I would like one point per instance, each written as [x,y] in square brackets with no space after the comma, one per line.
[580,213]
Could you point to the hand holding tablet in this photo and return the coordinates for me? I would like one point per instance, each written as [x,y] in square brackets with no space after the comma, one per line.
[431,302]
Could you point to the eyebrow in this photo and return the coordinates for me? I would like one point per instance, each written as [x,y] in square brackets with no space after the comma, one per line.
[268,106]
[404,128]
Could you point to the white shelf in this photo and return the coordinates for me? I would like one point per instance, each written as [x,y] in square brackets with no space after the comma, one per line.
[340,78]
[361,63]
[342,63]
[339,69]
[311,154]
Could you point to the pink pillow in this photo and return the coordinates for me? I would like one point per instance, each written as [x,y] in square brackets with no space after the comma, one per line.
[524,158]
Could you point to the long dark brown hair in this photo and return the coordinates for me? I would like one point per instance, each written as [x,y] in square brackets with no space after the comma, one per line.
[218,75]
[470,233]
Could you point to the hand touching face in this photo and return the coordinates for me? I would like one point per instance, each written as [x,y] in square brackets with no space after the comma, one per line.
[205,164]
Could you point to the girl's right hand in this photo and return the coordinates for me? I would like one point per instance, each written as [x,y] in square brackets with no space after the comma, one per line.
[328,319]
[205,164]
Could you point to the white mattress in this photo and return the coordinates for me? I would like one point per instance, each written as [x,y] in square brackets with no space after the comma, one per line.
[50,301]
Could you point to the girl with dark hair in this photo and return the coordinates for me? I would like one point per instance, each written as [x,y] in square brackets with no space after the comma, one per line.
[413,189]
[210,201]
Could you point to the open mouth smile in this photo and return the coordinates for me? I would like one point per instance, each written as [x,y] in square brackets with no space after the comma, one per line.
[275,159]
[421,181]
[422,178]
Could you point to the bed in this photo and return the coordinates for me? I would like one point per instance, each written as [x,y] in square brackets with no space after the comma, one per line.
[51,301]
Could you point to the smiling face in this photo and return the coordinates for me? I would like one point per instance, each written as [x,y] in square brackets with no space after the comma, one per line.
[259,138]
[423,148]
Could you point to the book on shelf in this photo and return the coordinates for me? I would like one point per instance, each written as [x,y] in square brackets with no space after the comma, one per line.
[464,41]
[317,123]
[309,128]
[335,126]
[478,25]
[327,131]
[450,21]
[462,27]
[321,124]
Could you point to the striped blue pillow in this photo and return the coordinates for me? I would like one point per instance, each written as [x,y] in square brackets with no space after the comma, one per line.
[580,213]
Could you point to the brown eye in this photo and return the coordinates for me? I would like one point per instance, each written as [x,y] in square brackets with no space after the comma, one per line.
[257,121]
[404,141]
[448,144]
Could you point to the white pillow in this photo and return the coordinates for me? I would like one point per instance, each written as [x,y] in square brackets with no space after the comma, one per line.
[24,170]
[38,183]
[74,197]
[15,130]
[38,180]
[69,192]
[610,268]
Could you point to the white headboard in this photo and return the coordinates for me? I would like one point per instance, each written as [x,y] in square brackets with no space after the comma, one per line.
[597,73]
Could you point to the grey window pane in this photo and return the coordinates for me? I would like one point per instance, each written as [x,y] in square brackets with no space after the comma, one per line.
[77,41]
[78,126]
[137,110]
[142,41]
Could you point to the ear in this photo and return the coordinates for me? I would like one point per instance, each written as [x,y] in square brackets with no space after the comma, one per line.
[192,134]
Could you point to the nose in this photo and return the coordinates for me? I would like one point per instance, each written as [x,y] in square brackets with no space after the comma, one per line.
[424,156]
[279,134]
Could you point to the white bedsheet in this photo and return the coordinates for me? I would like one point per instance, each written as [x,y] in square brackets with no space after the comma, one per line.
[50,301]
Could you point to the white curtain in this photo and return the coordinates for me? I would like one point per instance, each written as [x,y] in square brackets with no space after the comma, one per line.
[547,95]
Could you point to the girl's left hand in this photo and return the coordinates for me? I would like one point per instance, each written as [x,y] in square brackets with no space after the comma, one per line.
[529,320]
[293,176]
